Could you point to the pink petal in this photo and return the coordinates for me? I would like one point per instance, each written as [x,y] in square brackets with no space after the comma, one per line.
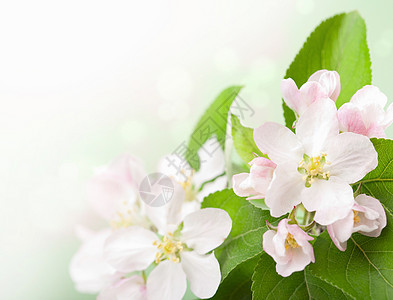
[351,120]
[367,95]
[317,126]
[374,206]
[242,186]
[278,142]
[329,80]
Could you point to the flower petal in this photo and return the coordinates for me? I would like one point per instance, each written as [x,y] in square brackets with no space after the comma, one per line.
[203,273]
[375,207]
[367,95]
[114,185]
[331,199]
[278,142]
[352,156]
[330,81]
[242,185]
[341,230]
[88,269]
[351,120]
[130,288]
[261,174]
[169,214]
[317,126]
[268,244]
[388,120]
[285,189]
[299,261]
[206,229]
[166,282]
[291,94]
[130,249]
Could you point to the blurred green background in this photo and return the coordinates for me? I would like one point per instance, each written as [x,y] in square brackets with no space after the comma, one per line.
[84,81]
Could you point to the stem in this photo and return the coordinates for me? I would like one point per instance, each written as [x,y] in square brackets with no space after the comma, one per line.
[358,191]
[144,276]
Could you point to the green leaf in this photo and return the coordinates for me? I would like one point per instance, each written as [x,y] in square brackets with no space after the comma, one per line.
[267,284]
[237,285]
[260,203]
[212,123]
[243,141]
[379,182]
[364,270]
[339,44]
[248,226]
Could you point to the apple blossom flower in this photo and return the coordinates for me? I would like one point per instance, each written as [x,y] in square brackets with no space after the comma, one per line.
[113,192]
[133,287]
[254,184]
[197,185]
[316,165]
[322,84]
[367,217]
[365,113]
[180,254]
[88,269]
[289,247]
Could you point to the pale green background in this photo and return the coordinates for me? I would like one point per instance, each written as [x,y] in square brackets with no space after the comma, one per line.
[83,81]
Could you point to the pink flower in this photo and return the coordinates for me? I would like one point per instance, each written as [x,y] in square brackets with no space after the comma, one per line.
[317,165]
[289,247]
[365,113]
[256,182]
[367,217]
[321,85]
[113,192]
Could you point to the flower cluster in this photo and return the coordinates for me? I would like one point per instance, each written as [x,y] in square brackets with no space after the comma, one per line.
[311,173]
[151,252]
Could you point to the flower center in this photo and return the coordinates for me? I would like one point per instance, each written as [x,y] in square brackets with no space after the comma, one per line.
[190,193]
[313,168]
[356,218]
[290,242]
[169,248]
[127,215]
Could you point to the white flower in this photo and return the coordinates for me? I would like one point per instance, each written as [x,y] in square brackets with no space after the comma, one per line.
[179,254]
[197,185]
[317,165]
[133,287]
[88,269]
[322,84]
[254,184]
[289,247]
[367,217]
[365,113]
[113,192]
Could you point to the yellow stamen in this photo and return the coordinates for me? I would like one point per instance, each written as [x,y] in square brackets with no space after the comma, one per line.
[168,249]
[290,242]
[313,168]
[356,218]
